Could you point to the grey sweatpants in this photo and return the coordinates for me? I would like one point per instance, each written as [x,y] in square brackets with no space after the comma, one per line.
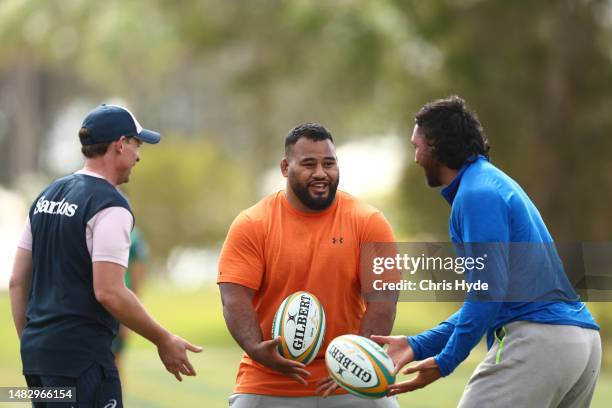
[336,401]
[539,365]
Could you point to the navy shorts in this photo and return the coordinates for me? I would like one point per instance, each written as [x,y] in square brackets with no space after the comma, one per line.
[97,387]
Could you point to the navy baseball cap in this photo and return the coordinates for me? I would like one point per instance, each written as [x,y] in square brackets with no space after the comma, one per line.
[107,123]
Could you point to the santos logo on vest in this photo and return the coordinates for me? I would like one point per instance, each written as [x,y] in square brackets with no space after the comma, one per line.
[55,207]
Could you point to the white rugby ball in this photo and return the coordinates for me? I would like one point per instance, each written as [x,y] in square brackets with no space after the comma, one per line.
[359,365]
[300,323]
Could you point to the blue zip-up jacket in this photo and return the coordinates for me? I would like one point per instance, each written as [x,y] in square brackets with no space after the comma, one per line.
[490,207]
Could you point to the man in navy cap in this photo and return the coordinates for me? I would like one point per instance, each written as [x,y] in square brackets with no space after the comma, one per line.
[67,286]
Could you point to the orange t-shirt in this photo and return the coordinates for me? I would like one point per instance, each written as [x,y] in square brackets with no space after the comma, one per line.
[277,250]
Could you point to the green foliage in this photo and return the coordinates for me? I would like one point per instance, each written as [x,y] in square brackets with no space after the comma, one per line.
[186,192]
[535,73]
[294,61]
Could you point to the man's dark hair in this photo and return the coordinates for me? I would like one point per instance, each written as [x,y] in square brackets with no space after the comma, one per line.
[312,131]
[92,150]
[453,130]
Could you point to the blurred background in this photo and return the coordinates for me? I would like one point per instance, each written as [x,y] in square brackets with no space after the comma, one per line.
[224,81]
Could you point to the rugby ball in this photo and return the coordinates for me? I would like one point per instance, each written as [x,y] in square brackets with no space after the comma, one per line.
[300,323]
[360,366]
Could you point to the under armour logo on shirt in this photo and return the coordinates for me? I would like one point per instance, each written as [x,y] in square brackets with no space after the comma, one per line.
[338,240]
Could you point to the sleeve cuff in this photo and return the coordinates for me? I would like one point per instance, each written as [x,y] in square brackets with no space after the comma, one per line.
[226,278]
[24,246]
[416,349]
[445,367]
[111,259]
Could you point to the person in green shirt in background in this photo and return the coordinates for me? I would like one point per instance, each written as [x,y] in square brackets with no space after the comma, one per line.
[134,278]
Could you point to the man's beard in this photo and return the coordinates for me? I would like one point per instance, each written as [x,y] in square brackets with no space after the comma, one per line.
[314,203]
[432,174]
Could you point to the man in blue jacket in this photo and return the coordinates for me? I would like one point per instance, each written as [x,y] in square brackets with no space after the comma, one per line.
[543,351]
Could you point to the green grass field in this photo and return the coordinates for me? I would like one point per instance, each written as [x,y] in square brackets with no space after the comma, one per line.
[197,316]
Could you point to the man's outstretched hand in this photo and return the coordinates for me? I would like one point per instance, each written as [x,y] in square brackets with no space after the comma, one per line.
[399,350]
[172,351]
[266,353]
[401,353]
[427,372]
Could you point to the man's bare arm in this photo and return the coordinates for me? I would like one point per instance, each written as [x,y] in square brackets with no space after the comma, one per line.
[122,303]
[378,318]
[240,316]
[19,287]
[243,324]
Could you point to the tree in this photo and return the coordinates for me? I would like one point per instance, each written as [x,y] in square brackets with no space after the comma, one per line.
[538,74]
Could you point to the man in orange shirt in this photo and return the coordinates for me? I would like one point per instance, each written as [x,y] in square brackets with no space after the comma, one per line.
[307,237]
